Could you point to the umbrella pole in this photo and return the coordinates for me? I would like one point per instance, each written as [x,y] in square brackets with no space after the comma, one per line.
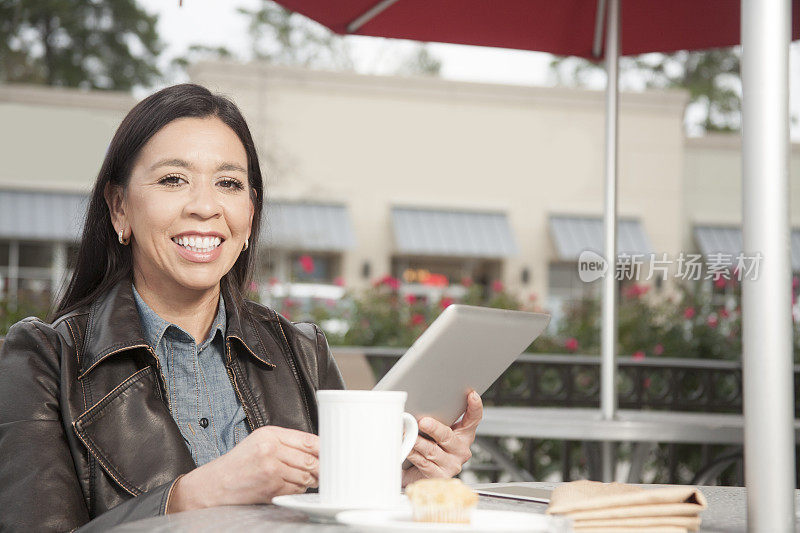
[766,300]
[608,330]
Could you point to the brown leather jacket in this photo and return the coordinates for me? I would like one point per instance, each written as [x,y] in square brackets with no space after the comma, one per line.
[86,435]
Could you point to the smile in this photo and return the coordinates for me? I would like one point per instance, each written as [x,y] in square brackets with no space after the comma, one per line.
[197,243]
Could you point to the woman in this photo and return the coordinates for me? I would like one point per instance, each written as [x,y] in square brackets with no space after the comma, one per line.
[158,388]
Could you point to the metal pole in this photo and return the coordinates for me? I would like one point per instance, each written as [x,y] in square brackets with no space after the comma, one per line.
[608,332]
[766,300]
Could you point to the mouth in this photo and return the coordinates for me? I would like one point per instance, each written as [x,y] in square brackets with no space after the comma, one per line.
[198,243]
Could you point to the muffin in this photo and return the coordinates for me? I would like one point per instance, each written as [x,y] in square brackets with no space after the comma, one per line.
[441,500]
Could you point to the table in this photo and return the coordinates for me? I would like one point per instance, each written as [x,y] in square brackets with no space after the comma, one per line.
[646,428]
[726,512]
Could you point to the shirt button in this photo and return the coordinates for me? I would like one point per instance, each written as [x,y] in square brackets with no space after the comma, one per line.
[204,422]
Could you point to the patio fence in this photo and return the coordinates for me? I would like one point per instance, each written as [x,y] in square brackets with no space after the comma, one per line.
[673,384]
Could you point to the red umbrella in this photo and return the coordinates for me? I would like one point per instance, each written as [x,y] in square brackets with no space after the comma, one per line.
[563,27]
[576,27]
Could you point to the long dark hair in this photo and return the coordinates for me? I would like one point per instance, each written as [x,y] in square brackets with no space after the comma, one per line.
[102,261]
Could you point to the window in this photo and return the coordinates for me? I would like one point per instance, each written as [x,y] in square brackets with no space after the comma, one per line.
[35,255]
[314,268]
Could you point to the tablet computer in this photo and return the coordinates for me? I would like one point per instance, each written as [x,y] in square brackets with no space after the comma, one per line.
[465,348]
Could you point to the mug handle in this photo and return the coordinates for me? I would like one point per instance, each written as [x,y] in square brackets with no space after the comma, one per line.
[410,431]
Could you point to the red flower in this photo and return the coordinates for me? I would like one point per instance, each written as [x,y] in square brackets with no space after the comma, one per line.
[445,302]
[306,263]
[410,299]
[658,349]
[338,280]
[689,313]
[389,281]
[636,290]
[646,383]
[720,283]
[253,286]
[435,280]
[638,355]
[466,281]
[288,302]
[712,321]
[417,319]
[497,286]
[723,312]
[273,281]
[571,344]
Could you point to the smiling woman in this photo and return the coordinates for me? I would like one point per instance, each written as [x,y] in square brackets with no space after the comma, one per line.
[157,387]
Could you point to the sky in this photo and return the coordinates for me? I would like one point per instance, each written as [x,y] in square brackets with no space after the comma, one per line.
[217,23]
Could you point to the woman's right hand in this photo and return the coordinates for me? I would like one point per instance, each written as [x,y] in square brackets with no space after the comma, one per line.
[270,462]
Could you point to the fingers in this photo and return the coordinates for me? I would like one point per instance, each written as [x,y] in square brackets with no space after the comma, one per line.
[472,417]
[426,466]
[300,460]
[443,435]
[299,440]
[432,460]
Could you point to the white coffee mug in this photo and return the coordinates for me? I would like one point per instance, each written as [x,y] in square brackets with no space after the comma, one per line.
[364,436]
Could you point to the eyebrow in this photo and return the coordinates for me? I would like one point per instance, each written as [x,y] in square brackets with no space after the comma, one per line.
[223,167]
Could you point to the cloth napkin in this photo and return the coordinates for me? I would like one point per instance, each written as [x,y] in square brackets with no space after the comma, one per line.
[599,507]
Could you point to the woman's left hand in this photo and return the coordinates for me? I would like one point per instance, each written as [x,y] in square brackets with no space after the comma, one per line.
[445,457]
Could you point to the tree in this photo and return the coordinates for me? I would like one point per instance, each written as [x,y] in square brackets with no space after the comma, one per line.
[711,77]
[100,44]
[286,38]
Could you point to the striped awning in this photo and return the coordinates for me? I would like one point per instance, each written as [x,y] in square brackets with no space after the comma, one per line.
[307,226]
[728,240]
[574,234]
[453,233]
[42,215]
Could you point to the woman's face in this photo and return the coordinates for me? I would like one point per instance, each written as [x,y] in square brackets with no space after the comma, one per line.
[187,207]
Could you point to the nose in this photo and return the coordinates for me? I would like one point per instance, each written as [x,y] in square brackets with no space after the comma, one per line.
[203,200]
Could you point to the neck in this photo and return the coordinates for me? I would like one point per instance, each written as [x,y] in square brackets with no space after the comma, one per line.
[193,311]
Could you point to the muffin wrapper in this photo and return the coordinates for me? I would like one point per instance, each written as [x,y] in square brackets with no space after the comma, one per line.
[442,513]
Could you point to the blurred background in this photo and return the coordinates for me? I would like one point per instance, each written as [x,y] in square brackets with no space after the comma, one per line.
[403,177]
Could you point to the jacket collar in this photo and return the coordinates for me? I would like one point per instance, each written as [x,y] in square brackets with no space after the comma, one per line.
[114,327]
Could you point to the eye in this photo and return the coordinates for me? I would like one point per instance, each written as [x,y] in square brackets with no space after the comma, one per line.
[171,180]
[231,183]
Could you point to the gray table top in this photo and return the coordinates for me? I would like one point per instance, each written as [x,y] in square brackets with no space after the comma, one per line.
[726,512]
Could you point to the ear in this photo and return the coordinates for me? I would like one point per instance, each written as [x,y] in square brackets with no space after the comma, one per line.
[252,210]
[116,206]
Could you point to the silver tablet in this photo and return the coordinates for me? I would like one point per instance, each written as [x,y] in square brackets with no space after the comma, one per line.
[465,348]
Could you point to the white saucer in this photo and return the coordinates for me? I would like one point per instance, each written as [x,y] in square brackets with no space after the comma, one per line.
[316,510]
[482,520]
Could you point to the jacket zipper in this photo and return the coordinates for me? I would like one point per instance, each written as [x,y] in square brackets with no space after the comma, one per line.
[236,388]
[161,375]
[296,376]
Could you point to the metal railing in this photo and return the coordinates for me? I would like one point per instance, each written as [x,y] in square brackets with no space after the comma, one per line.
[674,384]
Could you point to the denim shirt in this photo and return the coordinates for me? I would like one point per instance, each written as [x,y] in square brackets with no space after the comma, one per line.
[200,394]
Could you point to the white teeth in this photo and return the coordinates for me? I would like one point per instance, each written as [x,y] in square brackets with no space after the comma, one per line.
[198,244]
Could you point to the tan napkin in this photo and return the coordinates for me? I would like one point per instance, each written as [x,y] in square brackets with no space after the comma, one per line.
[598,507]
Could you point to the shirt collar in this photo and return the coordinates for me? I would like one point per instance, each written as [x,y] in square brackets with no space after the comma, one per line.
[154,327]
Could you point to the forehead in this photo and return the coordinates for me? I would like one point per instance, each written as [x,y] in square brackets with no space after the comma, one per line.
[203,141]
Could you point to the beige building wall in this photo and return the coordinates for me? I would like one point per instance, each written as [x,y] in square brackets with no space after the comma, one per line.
[713,183]
[373,142]
[55,139]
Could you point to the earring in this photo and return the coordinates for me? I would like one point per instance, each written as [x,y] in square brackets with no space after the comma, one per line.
[246,243]
[122,241]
